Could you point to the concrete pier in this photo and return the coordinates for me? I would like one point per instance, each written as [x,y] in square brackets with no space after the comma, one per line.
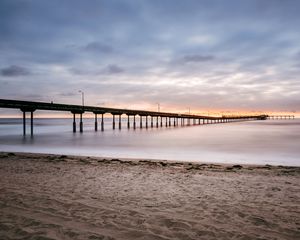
[171,119]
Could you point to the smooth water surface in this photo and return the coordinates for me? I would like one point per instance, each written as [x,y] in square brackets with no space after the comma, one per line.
[254,142]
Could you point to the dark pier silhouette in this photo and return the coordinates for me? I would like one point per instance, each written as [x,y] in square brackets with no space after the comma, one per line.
[157,119]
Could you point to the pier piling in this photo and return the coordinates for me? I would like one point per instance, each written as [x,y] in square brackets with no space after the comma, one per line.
[31,123]
[74,122]
[102,122]
[96,122]
[81,123]
[24,123]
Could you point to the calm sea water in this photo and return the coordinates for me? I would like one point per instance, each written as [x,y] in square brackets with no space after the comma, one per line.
[274,142]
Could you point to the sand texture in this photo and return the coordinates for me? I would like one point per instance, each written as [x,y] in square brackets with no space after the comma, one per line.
[66,197]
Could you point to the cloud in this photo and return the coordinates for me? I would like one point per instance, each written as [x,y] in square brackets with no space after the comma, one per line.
[67,94]
[113,69]
[98,47]
[170,51]
[97,71]
[14,71]
[197,58]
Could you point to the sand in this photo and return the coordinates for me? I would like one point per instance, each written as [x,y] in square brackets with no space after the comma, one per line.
[66,197]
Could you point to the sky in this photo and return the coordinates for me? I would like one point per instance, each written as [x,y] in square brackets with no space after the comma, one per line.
[206,55]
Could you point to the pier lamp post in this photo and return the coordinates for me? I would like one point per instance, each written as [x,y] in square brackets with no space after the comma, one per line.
[158,107]
[82,97]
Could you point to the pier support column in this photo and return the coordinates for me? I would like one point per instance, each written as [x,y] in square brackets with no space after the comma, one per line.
[161,123]
[120,122]
[81,123]
[169,121]
[151,121]
[128,122]
[146,121]
[74,122]
[114,123]
[134,123]
[96,122]
[24,123]
[156,121]
[166,121]
[31,124]
[141,122]
[102,122]
[174,121]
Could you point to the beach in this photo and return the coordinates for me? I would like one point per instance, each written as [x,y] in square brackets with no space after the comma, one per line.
[45,196]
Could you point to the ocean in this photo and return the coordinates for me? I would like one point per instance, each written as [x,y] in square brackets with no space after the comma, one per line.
[275,142]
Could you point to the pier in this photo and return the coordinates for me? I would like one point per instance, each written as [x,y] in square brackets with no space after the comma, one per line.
[157,119]
[280,117]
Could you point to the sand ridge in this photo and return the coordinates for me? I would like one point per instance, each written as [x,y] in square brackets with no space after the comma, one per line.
[46,196]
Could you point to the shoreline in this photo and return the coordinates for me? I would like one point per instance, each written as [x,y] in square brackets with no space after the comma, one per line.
[163,162]
[46,196]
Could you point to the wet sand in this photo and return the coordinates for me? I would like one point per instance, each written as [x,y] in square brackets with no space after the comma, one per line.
[67,197]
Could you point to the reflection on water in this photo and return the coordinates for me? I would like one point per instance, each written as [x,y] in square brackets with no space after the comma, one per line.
[256,142]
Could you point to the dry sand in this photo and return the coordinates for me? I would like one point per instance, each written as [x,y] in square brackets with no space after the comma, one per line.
[65,197]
